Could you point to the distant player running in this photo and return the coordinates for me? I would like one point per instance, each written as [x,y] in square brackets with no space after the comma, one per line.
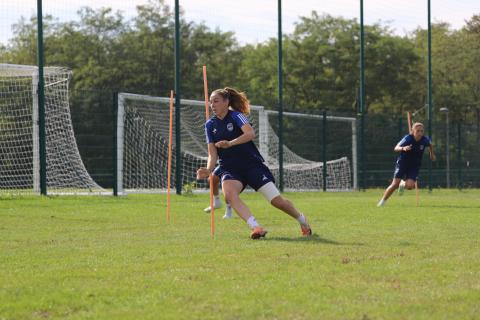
[408,164]
[229,138]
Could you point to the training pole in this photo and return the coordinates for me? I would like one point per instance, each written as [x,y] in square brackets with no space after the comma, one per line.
[210,178]
[409,122]
[410,130]
[169,162]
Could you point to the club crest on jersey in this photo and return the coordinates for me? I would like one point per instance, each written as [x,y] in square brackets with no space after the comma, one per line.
[214,130]
[422,146]
[230,126]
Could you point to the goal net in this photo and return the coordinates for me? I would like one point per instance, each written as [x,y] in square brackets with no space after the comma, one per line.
[19,134]
[142,147]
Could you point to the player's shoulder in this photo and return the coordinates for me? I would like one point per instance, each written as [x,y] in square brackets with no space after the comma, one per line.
[210,121]
[426,140]
[239,117]
[234,113]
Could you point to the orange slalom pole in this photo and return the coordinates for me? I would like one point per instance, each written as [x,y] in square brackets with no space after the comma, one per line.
[205,90]
[417,193]
[409,121]
[169,165]
[207,116]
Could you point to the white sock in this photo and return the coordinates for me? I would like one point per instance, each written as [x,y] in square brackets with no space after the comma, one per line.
[381,203]
[301,219]
[228,212]
[252,223]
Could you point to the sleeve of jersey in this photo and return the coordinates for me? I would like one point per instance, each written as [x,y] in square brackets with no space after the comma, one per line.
[429,141]
[240,119]
[208,133]
[405,141]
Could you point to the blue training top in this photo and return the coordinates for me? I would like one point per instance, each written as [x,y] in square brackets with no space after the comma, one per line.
[414,156]
[239,156]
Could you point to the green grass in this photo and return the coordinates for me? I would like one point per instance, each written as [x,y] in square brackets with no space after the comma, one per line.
[108,258]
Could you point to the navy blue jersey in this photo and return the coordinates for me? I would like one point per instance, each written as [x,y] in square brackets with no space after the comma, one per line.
[239,156]
[414,156]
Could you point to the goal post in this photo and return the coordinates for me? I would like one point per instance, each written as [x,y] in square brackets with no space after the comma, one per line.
[142,143]
[142,149]
[19,134]
[352,122]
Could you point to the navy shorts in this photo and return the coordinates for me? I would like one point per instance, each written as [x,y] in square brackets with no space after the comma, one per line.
[255,176]
[406,171]
[218,171]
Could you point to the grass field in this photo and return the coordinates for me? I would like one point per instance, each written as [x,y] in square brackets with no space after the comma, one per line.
[108,258]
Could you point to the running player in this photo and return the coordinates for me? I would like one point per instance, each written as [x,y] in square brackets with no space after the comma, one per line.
[230,140]
[409,161]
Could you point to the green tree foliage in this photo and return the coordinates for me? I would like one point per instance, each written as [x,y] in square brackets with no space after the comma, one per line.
[106,51]
[321,67]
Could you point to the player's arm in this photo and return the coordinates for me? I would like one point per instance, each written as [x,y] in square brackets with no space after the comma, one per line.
[204,172]
[404,145]
[433,157]
[400,148]
[248,134]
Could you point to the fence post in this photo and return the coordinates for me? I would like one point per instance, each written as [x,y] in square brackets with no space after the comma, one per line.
[115,143]
[41,102]
[280,98]
[178,106]
[324,149]
[459,155]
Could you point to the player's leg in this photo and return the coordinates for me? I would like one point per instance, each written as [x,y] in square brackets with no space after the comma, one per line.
[261,179]
[401,187]
[410,184]
[412,175]
[217,173]
[388,192]
[231,190]
[288,207]
[228,211]
[399,173]
[217,202]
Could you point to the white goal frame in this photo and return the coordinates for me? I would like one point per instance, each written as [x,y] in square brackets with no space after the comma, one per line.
[65,170]
[263,144]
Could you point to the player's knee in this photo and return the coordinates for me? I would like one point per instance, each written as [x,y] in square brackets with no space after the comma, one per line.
[230,196]
[409,185]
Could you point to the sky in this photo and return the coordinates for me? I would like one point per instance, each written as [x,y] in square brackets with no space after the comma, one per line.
[255,21]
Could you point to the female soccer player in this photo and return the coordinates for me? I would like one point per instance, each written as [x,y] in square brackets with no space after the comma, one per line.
[230,140]
[411,149]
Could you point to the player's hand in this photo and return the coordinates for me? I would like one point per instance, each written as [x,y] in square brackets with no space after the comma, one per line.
[433,157]
[407,148]
[202,173]
[223,144]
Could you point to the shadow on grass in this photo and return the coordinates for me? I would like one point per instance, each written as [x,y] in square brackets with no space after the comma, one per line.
[313,238]
[453,206]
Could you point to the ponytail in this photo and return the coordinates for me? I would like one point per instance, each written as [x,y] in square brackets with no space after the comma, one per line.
[237,100]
